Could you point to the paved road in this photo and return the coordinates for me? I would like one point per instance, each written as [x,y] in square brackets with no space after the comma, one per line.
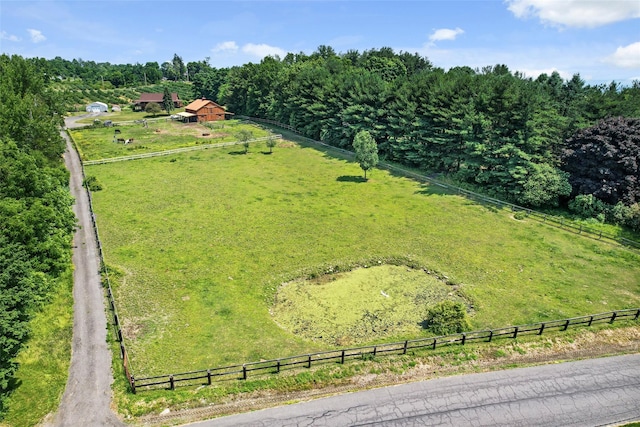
[594,392]
[87,397]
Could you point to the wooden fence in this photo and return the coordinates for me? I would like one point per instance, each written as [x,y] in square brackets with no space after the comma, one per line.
[542,217]
[275,366]
[175,151]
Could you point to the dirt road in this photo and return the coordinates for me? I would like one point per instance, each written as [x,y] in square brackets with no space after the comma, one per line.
[87,397]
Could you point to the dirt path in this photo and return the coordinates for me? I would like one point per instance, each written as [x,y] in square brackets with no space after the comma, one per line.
[87,397]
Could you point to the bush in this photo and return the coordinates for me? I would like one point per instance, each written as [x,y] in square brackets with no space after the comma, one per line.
[447,317]
[632,219]
[92,183]
[588,206]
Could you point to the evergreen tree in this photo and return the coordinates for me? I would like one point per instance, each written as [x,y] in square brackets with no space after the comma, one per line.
[167,101]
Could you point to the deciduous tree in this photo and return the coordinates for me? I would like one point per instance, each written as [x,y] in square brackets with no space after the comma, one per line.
[366,151]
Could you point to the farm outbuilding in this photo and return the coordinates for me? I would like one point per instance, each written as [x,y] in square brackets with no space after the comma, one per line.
[204,110]
[97,107]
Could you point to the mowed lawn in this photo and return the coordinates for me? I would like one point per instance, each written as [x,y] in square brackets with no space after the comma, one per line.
[198,244]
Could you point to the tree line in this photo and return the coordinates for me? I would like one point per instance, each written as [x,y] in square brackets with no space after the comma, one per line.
[535,142]
[506,134]
[36,219]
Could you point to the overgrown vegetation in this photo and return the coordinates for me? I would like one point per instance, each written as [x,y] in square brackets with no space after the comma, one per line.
[35,209]
[447,317]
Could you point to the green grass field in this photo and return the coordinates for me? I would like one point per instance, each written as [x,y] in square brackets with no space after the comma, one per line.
[199,243]
[99,143]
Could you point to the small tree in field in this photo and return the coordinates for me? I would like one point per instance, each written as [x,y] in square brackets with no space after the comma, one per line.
[366,151]
[271,142]
[244,136]
[153,108]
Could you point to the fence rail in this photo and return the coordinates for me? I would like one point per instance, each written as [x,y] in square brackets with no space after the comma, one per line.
[274,366]
[175,151]
[549,219]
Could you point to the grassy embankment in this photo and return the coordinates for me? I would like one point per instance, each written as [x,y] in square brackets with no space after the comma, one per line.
[199,244]
[44,362]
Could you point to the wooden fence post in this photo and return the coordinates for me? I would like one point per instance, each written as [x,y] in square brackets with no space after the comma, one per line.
[209,376]
[490,335]
[613,316]
[541,329]
[244,372]
[278,366]
[309,362]
[590,321]
[435,342]
[375,349]
[637,315]
[172,383]
[566,325]
[342,357]
[464,338]
[404,349]
[515,332]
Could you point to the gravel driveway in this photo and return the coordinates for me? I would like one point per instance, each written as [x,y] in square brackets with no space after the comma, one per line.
[87,396]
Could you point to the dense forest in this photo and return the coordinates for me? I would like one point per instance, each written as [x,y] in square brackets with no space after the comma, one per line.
[36,220]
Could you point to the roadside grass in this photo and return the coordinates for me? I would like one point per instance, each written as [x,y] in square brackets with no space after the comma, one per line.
[198,244]
[44,362]
[98,143]
[301,384]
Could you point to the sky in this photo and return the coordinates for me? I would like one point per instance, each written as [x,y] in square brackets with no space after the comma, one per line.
[599,39]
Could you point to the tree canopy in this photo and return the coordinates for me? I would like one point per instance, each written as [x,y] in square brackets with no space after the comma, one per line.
[35,205]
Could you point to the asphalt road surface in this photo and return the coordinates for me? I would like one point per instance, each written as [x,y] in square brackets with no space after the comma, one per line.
[87,396]
[596,392]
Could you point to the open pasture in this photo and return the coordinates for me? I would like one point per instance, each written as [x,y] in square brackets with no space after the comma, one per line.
[199,243]
[102,142]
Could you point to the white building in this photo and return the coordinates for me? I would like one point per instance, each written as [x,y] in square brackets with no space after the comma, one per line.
[97,107]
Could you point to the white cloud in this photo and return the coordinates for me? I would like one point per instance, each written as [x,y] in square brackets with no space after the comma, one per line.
[576,13]
[10,37]
[445,34]
[229,46]
[36,35]
[626,56]
[262,50]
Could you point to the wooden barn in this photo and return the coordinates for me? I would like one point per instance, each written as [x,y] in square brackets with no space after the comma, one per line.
[203,110]
[146,98]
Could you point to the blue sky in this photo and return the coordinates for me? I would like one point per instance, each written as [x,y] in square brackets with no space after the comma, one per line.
[600,39]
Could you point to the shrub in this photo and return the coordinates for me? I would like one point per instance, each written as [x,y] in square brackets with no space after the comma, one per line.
[92,183]
[447,317]
[588,206]
[520,215]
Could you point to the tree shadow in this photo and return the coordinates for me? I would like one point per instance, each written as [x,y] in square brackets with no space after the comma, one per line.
[267,153]
[351,178]
[237,153]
